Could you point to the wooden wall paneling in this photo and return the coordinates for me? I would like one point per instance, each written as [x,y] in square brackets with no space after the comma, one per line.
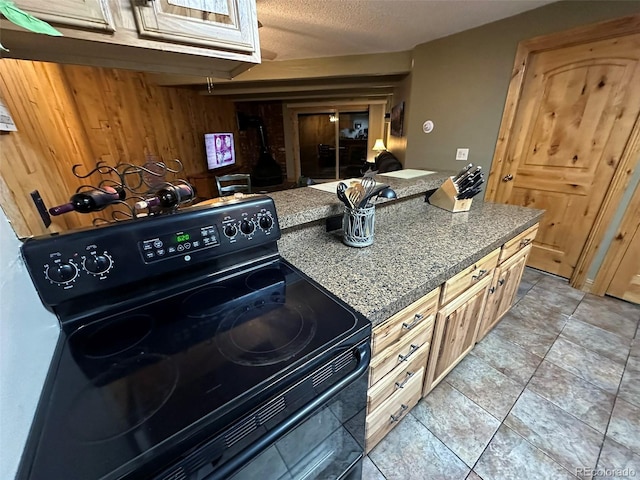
[40,154]
[70,115]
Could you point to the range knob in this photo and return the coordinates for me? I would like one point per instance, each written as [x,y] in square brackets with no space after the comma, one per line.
[247,227]
[266,222]
[230,230]
[97,264]
[61,272]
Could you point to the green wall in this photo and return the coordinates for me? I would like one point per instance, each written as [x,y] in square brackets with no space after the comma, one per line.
[460,82]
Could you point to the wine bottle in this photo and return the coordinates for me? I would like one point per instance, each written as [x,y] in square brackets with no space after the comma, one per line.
[90,200]
[168,197]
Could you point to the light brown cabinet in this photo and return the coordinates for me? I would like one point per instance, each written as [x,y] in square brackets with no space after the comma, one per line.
[503,291]
[400,349]
[416,348]
[226,28]
[145,35]
[86,14]
[455,332]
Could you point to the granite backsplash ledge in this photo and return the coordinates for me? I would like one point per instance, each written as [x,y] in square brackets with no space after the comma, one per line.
[417,247]
[299,206]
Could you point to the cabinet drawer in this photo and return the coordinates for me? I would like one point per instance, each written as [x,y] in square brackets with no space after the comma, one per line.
[392,410]
[402,352]
[518,243]
[397,378]
[402,323]
[469,276]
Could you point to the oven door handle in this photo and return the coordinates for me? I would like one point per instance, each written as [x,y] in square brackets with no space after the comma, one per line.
[363,354]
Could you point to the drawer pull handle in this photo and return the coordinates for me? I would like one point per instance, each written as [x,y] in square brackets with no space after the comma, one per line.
[525,242]
[398,416]
[417,317]
[409,375]
[404,358]
[501,282]
[481,274]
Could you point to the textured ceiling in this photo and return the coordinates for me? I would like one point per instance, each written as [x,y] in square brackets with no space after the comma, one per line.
[297,29]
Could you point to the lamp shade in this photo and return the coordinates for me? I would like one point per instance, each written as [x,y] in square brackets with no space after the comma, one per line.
[379,145]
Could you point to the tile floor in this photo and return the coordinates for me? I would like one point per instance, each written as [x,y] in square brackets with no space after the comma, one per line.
[552,392]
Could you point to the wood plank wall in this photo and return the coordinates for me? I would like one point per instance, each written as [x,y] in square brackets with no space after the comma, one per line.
[70,115]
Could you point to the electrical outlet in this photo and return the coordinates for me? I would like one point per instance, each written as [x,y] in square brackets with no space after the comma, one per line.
[462,154]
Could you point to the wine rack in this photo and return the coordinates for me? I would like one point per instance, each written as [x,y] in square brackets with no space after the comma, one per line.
[139,182]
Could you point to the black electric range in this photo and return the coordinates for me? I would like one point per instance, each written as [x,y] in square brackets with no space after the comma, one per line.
[188,347]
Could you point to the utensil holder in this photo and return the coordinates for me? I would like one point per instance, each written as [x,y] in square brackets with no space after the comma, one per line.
[358,226]
[445,198]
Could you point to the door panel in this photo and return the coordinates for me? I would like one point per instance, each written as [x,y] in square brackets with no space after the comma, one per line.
[89,14]
[626,282]
[577,110]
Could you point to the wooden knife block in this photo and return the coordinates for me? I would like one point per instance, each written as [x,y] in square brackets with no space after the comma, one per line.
[445,198]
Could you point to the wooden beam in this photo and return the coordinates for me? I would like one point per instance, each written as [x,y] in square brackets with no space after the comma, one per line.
[376,64]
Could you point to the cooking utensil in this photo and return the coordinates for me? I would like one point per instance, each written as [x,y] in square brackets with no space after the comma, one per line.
[353,195]
[340,190]
[366,200]
[369,185]
[387,192]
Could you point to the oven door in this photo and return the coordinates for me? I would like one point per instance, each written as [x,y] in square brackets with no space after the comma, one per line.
[312,430]
[327,445]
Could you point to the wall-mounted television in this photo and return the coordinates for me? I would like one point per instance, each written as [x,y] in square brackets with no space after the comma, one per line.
[220,150]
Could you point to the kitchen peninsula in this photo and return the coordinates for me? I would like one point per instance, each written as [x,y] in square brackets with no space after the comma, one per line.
[432,284]
[399,282]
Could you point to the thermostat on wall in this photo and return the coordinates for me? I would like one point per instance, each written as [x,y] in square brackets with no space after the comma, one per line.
[427,127]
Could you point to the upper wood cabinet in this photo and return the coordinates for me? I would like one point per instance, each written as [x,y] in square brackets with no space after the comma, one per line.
[226,24]
[163,36]
[88,14]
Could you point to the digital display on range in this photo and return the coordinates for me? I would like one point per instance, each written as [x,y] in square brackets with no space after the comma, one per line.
[179,243]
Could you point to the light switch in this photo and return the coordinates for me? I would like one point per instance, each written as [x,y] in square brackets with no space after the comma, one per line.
[462,154]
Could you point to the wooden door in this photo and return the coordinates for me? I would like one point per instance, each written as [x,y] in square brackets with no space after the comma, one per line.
[223,24]
[619,274]
[626,281]
[578,108]
[87,14]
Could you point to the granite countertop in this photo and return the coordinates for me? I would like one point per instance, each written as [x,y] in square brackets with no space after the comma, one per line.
[416,248]
[303,205]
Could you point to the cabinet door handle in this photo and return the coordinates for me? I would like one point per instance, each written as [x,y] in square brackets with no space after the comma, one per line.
[481,274]
[492,290]
[417,317]
[525,242]
[398,415]
[409,375]
[501,282]
[404,358]
[507,178]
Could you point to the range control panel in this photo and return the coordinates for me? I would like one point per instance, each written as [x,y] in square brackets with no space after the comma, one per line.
[77,263]
[179,243]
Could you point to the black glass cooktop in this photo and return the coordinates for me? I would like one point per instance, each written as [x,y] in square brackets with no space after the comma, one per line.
[131,387]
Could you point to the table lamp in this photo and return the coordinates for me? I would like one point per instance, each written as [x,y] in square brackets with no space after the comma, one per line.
[378,147]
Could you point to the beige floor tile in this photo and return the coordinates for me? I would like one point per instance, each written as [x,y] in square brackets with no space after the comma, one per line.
[466,433]
[564,438]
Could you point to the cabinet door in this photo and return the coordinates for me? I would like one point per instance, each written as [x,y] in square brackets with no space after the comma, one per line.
[503,291]
[87,14]
[456,330]
[222,24]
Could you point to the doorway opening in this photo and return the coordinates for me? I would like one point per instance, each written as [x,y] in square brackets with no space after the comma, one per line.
[333,145]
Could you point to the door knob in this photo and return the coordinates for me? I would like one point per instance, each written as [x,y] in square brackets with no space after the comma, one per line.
[507,178]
